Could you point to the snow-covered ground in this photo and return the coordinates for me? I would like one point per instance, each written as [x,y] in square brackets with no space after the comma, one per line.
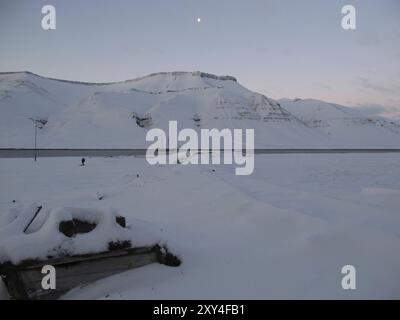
[283,232]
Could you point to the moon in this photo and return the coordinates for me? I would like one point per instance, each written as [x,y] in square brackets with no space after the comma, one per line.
[198,20]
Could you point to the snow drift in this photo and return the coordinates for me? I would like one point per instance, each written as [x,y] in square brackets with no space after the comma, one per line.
[45,240]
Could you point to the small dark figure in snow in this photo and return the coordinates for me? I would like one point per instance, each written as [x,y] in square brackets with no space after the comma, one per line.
[138,180]
[83,161]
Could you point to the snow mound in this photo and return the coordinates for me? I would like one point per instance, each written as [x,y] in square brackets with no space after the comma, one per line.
[47,241]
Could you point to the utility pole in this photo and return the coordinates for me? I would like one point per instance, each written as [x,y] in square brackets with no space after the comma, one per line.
[35,124]
[35,140]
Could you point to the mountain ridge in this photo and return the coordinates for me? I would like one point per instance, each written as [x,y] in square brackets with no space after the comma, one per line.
[173,73]
[118,114]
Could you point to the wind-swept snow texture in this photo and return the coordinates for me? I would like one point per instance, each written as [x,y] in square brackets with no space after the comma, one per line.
[118,115]
[283,232]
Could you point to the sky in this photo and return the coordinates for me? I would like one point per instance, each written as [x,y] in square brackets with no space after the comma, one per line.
[281,48]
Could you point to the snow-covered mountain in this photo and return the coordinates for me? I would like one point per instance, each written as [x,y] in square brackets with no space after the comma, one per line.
[107,115]
[344,125]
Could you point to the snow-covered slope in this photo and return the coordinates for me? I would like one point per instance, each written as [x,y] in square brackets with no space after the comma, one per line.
[345,126]
[107,115]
